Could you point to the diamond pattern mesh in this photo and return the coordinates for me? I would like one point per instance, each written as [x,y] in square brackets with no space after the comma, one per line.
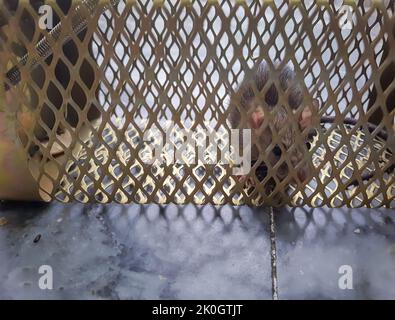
[112,78]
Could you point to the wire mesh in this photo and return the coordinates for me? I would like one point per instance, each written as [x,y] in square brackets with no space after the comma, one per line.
[115,81]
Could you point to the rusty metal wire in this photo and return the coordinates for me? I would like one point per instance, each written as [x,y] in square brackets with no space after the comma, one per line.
[85,106]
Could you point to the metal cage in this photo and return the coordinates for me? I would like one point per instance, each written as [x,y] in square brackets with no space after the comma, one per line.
[113,81]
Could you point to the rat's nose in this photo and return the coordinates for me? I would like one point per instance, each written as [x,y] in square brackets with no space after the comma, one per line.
[257,118]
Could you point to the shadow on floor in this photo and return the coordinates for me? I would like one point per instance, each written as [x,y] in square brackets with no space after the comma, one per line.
[193,252]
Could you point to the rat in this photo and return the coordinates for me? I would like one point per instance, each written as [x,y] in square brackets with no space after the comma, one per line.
[266,105]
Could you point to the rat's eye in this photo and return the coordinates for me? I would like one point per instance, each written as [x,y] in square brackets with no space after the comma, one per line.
[277,151]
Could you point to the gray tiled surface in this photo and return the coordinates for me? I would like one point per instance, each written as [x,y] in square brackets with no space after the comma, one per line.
[190,252]
[313,244]
[136,252]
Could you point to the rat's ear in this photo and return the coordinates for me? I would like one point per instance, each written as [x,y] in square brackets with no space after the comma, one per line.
[257,117]
[309,115]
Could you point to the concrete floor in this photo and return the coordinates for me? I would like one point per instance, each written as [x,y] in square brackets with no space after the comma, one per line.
[174,252]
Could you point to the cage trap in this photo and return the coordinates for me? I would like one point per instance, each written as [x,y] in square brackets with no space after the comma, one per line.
[89,96]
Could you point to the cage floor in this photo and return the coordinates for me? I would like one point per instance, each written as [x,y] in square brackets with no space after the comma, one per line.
[189,252]
[116,174]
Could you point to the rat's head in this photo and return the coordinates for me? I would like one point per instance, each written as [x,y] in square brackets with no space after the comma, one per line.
[286,136]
